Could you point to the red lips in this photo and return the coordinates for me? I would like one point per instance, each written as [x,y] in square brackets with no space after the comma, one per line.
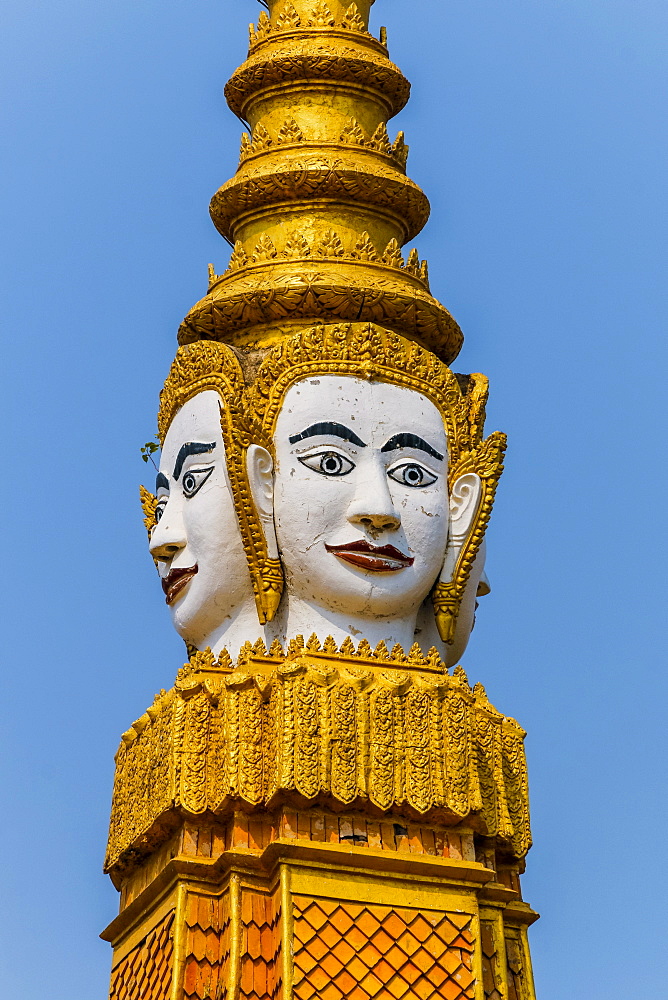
[376,558]
[176,580]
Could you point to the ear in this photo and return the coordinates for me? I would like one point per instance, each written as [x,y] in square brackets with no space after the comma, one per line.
[465,498]
[259,468]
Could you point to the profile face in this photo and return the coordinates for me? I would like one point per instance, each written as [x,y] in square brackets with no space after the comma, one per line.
[360,496]
[196,541]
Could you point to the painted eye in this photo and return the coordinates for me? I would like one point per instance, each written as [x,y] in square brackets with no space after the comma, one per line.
[328,463]
[412,474]
[160,510]
[194,480]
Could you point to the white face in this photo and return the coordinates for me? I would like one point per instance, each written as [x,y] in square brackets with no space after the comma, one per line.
[361,498]
[196,541]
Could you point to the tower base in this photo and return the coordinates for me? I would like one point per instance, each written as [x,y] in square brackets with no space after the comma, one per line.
[315,905]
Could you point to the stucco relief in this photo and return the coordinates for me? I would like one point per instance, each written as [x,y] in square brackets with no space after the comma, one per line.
[341,488]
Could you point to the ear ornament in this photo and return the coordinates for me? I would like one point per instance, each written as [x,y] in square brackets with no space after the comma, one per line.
[149,502]
[487,462]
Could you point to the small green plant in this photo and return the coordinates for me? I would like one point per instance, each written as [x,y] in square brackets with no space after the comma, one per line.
[149,450]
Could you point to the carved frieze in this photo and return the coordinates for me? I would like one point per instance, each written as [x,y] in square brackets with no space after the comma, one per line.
[319,177]
[397,733]
[348,58]
[253,305]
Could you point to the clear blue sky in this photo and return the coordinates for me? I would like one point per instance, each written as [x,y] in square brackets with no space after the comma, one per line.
[538,130]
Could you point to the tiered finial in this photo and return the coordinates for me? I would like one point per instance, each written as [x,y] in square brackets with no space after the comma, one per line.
[318,168]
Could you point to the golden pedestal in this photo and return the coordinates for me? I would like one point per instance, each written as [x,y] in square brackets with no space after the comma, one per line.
[327,825]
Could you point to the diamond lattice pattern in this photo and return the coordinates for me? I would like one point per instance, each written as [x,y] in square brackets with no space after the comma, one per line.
[348,951]
[146,973]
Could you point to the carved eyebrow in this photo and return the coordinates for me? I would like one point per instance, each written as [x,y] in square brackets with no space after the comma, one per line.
[161,482]
[187,449]
[328,427]
[406,440]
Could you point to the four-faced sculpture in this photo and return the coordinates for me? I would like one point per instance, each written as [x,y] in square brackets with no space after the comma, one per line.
[356,454]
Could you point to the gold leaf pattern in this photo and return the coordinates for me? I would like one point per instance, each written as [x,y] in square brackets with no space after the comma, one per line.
[413,263]
[148,502]
[290,132]
[318,725]
[288,18]
[353,133]
[380,140]
[322,16]
[261,138]
[265,250]
[364,249]
[392,255]
[329,245]
[297,246]
[399,150]
[246,146]
[239,257]
[352,19]
[263,27]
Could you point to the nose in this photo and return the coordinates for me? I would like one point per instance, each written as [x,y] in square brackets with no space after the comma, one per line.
[373,508]
[168,537]
[376,523]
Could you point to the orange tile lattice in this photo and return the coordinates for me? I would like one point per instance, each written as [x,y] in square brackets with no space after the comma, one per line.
[490,961]
[260,947]
[516,975]
[349,951]
[207,945]
[146,973]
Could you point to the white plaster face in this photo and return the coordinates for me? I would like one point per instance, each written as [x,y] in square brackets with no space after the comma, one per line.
[196,542]
[361,497]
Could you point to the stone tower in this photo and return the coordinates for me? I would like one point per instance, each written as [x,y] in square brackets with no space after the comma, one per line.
[340,817]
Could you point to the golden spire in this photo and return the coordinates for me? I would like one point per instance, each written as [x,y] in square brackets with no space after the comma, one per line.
[320,204]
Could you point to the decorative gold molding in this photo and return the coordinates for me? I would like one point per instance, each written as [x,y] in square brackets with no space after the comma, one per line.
[254,304]
[195,369]
[289,20]
[320,174]
[320,725]
[487,461]
[352,134]
[328,246]
[359,62]
[148,502]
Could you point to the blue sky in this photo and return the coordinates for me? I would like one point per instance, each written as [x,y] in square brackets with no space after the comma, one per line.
[538,130]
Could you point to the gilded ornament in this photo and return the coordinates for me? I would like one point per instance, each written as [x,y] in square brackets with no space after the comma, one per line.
[289,132]
[353,133]
[318,725]
[287,19]
[352,19]
[322,16]
[148,502]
